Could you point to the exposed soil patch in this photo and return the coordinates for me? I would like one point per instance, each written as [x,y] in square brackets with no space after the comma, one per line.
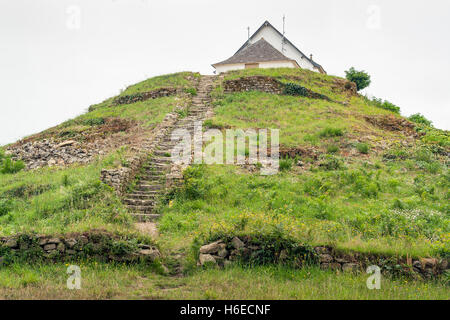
[303,152]
[148,228]
[393,123]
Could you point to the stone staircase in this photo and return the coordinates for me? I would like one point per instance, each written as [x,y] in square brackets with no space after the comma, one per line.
[143,199]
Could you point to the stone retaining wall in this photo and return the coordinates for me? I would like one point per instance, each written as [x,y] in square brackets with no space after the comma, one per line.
[268,85]
[255,83]
[224,252]
[97,244]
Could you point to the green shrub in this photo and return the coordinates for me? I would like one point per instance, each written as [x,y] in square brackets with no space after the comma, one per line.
[396,154]
[5,206]
[363,147]
[293,89]
[418,118]
[286,164]
[10,166]
[332,148]
[82,193]
[191,91]
[331,132]
[182,113]
[386,105]
[194,184]
[330,162]
[361,78]
[94,122]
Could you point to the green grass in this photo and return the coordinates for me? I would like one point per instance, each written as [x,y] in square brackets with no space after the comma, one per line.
[175,80]
[111,281]
[148,112]
[60,200]
[355,208]
[301,121]
[391,201]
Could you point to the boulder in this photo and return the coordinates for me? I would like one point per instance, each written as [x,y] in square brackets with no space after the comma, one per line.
[350,267]
[237,243]
[211,248]
[65,143]
[150,253]
[70,242]
[11,243]
[325,258]
[206,259]
[429,262]
[222,253]
[53,240]
[61,247]
[50,247]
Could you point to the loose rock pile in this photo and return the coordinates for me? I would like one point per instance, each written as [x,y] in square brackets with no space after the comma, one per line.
[48,153]
[222,253]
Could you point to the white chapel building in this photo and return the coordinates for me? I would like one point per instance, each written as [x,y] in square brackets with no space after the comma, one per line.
[268,48]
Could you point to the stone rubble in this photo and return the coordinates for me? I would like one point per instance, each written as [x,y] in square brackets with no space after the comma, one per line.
[49,153]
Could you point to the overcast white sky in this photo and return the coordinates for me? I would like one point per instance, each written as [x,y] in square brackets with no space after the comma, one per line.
[57,57]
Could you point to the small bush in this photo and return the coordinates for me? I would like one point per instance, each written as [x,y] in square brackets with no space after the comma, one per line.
[363,147]
[5,206]
[82,193]
[332,148]
[191,91]
[331,132]
[330,162]
[94,122]
[386,105]
[194,185]
[418,118]
[10,166]
[293,89]
[182,113]
[286,164]
[361,78]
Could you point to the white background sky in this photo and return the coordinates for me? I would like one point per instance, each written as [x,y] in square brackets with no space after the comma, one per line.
[57,57]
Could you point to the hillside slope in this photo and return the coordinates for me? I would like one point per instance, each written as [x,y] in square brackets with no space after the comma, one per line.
[353,176]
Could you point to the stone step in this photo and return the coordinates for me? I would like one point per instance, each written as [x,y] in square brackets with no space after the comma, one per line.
[140,202]
[155,166]
[143,195]
[139,209]
[146,217]
[149,181]
[148,187]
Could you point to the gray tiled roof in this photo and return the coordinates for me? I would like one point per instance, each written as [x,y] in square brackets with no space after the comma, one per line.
[267,24]
[259,51]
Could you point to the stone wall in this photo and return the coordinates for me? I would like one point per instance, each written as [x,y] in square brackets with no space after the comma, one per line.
[255,83]
[99,245]
[158,93]
[223,252]
[268,85]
